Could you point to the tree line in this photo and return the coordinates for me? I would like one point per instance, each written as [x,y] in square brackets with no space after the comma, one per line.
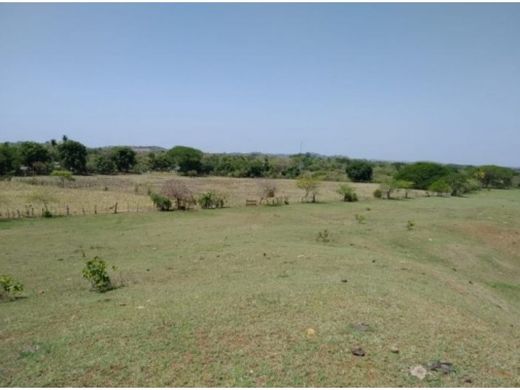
[66,155]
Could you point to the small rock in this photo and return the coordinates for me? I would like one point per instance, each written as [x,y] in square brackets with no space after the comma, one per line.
[140,307]
[311,332]
[357,351]
[344,280]
[470,282]
[444,367]
[362,327]
[394,349]
[41,292]
[373,261]
[418,372]
[265,254]
[468,380]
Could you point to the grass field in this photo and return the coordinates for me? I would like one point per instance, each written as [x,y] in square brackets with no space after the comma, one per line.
[229,297]
[131,192]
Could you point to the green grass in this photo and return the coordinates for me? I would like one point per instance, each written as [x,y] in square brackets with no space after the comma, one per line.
[225,297]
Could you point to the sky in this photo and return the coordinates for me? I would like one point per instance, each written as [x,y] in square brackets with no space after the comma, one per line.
[401,82]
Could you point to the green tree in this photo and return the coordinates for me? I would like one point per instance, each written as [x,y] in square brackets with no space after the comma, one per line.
[359,171]
[422,174]
[73,156]
[493,176]
[104,164]
[440,187]
[310,185]
[186,159]
[8,159]
[34,156]
[124,158]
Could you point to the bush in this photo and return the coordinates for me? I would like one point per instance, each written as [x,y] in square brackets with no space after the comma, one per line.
[359,171]
[267,189]
[177,190]
[310,185]
[348,193]
[211,200]
[410,225]
[378,193]
[95,272]
[63,176]
[47,214]
[360,218]
[161,202]
[9,287]
[323,236]
[440,187]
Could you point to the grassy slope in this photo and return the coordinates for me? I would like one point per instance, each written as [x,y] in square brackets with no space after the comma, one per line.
[224,298]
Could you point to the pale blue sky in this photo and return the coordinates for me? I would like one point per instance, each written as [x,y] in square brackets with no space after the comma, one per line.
[385,81]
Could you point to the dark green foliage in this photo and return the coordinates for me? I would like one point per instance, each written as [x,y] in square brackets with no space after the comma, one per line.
[8,159]
[348,193]
[378,193]
[159,161]
[211,200]
[186,159]
[95,272]
[9,287]
[104,164]
[422,174]
[47,214]
[124,158]
[492,176]
[73,156]
[359,171]
[34,156]
[161,202]
[440,187]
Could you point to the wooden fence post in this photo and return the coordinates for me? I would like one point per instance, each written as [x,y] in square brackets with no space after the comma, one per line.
[115,208]
[68,210]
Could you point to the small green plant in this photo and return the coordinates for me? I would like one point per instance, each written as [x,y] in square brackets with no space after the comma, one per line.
[378,193]
[47,214]
[9,287]
[95,272]
[410,225]
[63,176]
[161,202]
[211,200]
[360,218]
[348,193]
[323,236]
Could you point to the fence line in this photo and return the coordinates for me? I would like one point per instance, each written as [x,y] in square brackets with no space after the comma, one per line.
[66,210]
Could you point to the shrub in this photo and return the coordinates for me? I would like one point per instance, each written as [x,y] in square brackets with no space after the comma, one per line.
[267,189]
[440,187]
[211,200]
[323,236]
[360,218]
[9,287]
[348,193]
[410,225]
[277,201]
[177,190]
[47,214]
[378,193]
[95,272]
[63,176]
[161,202]
[359,171]
[310,185]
